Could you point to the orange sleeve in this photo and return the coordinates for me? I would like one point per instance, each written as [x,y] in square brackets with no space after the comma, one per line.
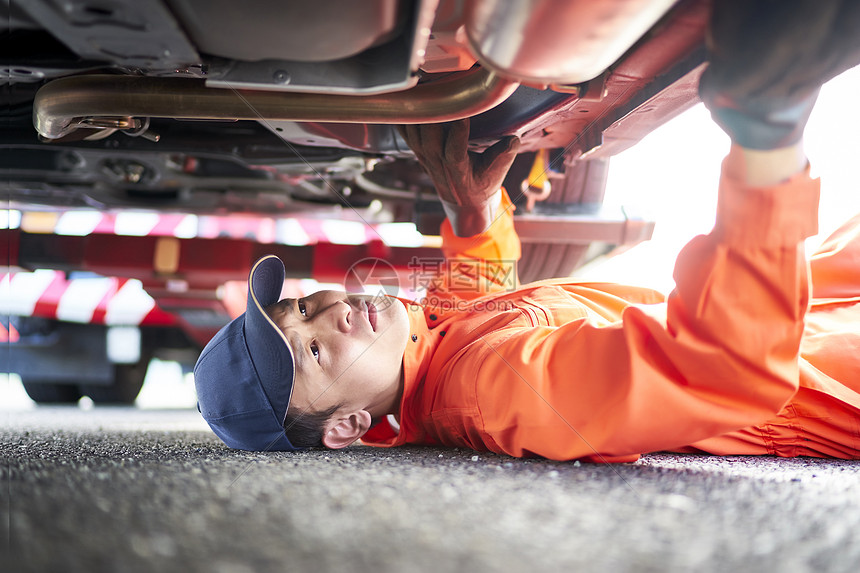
[836,264]
[720,355]
[482,264]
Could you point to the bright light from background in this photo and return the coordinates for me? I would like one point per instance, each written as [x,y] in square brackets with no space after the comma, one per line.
[672,177]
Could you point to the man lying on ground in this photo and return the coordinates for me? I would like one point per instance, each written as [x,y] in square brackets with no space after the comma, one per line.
[738,359]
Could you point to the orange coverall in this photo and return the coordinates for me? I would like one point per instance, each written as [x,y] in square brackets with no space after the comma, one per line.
[730,363]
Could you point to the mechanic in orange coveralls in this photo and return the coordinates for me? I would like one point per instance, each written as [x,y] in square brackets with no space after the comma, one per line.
[739,359]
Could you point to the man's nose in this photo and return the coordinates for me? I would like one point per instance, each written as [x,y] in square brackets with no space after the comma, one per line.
[336,317]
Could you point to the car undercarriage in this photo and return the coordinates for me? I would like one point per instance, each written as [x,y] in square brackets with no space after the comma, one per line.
[273,107]
[290,111]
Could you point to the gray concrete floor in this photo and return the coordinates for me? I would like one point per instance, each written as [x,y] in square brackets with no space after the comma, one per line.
[124,489]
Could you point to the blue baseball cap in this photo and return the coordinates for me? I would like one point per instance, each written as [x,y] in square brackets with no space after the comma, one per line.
[244,376]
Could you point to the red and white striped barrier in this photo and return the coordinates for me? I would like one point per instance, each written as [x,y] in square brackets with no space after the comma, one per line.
[92,300]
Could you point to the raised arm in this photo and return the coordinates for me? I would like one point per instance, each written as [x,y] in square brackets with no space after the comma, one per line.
[479,242]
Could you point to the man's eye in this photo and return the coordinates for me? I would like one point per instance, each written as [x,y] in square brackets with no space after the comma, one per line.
[302,308]
[315,351]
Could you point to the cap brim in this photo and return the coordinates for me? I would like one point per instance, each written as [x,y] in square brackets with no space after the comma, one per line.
[268,347]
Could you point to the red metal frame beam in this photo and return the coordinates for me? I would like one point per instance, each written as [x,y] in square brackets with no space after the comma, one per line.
[200,263]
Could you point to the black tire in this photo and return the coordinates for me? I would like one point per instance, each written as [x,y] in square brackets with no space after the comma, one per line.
[582,182]
[128,380]
[52,393]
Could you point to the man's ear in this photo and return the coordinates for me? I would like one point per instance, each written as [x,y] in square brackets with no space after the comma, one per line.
[346,430]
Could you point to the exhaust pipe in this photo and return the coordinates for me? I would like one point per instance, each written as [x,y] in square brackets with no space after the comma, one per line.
[106,101]
[557,42]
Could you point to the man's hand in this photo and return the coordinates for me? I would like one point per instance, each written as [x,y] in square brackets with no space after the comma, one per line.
[768,59]
[468,183]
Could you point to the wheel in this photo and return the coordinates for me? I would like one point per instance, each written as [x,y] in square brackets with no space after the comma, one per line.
[52,393]
[128,380]
[583,182]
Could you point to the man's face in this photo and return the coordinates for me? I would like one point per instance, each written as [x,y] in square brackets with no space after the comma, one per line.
[348,350]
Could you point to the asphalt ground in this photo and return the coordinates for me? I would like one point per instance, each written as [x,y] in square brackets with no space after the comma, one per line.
[127,490]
